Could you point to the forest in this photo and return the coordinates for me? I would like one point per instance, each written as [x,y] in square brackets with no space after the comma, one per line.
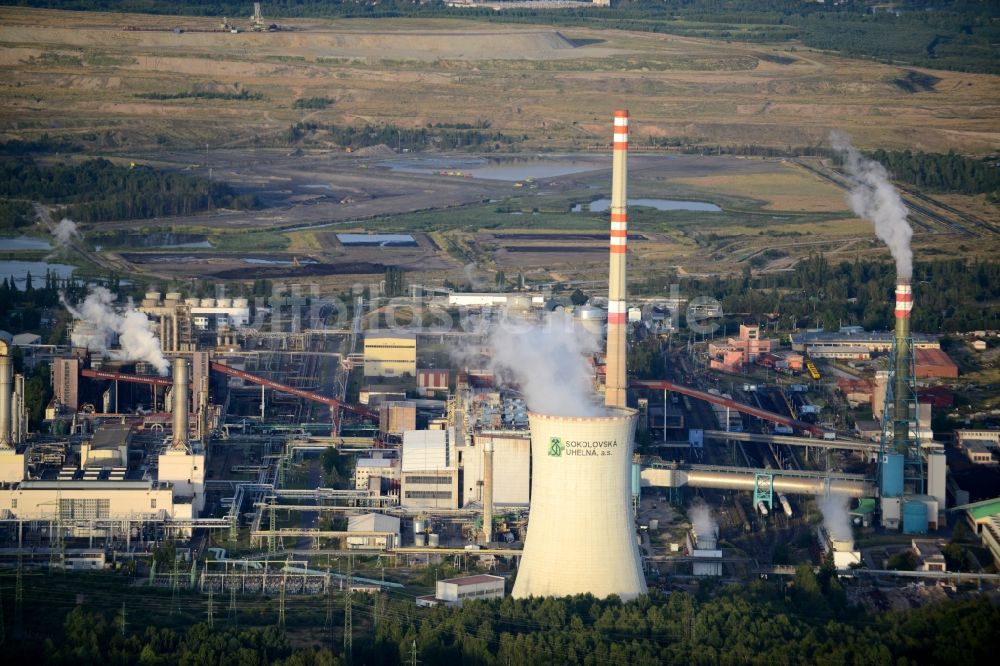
[98,190]
[949,295]
[803,621]
[944,34]
[403,138]
[939,172]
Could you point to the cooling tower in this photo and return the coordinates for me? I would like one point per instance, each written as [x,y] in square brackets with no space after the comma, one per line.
[580,535]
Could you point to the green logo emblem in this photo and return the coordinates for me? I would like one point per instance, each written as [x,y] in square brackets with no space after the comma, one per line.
[555,446]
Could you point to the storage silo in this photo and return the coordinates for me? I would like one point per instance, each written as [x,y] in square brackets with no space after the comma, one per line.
[580,531]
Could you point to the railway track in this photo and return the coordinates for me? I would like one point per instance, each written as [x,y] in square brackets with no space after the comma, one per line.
[909,199]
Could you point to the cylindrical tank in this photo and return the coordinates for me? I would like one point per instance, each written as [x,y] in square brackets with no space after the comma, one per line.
[224,303]
[892,475]
[580,479]
[433,540]
[241,303]
[419,525]
[173,296]
[915,517]
[207,303]
[152,295]
[193,302]
[420,540]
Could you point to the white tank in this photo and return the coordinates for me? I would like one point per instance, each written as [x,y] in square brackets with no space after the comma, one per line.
[419,526]
[241,303]
[207,303]
[433,540]
[224,303]
[581,536]
[152,295]
[420,540]
[193,302]
[173,296]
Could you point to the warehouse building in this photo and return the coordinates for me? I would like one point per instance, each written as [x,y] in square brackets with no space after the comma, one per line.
[389,354]
[370,523]
[456,591]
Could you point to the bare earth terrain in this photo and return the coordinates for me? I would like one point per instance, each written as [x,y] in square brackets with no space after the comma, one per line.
[84,77]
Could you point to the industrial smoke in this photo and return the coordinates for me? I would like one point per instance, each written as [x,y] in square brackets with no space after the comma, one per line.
[836,519]
[702,521]
[547,361]
[135,333]
[65,231]
[874,198]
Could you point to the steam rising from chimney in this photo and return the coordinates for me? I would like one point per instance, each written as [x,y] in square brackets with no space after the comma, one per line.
[704,524]
[65,231]
[135,333]
[874,198]
[547,361]
[836,519]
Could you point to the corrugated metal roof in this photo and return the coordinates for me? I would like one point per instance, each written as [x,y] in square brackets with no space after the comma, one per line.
[985,510]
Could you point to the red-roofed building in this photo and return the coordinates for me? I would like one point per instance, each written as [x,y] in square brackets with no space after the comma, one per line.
[934,363]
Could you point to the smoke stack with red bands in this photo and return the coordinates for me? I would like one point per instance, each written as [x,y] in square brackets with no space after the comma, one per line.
[901,390]
[616,382]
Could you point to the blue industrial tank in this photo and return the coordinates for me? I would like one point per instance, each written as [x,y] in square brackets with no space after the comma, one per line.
[892,475]
[914,517]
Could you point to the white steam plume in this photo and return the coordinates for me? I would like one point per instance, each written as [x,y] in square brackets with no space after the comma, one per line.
[704,524]
[135,333]
[546,360]
[836,518]
[65,231]
[471,274]
[874,198]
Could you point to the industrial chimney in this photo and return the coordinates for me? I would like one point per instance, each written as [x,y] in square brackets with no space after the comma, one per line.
[616,382]
[901,388]
[203,433]
[6,441]
[180,405]
[487,492]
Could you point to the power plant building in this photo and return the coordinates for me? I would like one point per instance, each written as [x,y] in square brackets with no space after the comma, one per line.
[390,354]
[511,468]
[429,471]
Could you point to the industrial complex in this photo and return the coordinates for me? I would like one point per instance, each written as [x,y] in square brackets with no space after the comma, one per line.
[262,435]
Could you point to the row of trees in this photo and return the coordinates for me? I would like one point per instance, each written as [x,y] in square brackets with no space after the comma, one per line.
[98,190]
[419,138]
[804,622]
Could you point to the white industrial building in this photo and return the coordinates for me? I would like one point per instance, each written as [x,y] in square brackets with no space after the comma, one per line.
[376,531]
[429,472]
[456,591]
[496,299]
[367,469]
[511,468]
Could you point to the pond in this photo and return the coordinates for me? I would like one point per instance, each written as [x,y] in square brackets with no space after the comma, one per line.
[380,240]
[602,205]
[20,270]
[24,243]
[506,169]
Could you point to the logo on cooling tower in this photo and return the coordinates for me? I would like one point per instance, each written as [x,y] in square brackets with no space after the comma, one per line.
[555,447]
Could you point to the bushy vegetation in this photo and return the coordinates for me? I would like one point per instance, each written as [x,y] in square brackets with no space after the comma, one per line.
[959,34]
[44,144]
[312,103]
[415,139]
[14,215]
[98,190]
[204,94]
[950,295]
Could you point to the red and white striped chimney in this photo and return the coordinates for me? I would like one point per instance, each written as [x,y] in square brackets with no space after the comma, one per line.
[617,381]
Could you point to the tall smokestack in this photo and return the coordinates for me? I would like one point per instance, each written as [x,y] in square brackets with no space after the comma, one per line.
[6,442]
[19,414]
[901,389]
[488,492]
[203,411]
[180,404]
[616,381]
